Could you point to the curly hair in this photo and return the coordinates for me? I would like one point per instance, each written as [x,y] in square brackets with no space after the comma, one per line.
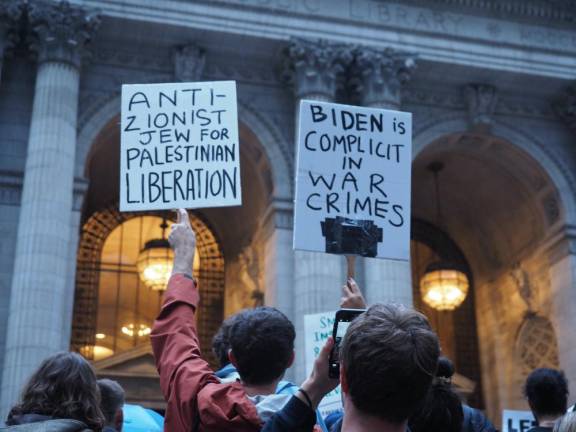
[64,386]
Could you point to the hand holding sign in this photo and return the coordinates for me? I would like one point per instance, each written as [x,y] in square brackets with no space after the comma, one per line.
[183,241]
[352,297]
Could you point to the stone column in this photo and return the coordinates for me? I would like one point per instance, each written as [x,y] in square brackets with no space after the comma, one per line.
[563,297]
[379,77]
[45,223]
[314,68]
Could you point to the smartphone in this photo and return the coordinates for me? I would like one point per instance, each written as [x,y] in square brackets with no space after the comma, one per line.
[343,319]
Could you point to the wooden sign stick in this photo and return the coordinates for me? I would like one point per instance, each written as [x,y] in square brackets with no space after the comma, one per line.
[351,262]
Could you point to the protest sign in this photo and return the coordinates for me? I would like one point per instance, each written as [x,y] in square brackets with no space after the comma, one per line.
[317,329]
[517,421]
[353,181]
[179,146]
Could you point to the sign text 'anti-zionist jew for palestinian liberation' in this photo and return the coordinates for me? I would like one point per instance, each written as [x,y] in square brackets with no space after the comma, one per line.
[179,146]
[353,181]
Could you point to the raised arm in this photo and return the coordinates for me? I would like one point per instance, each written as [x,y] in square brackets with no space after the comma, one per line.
[183,372]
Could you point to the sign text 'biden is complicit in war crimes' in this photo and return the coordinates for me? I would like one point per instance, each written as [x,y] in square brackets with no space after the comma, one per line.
[353,181]
[179,146]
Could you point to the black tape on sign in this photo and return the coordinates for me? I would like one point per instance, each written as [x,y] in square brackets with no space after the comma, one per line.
[351,237]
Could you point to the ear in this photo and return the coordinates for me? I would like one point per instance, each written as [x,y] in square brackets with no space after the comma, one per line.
[232,359]
[292,358]
[343,382]
[119,420]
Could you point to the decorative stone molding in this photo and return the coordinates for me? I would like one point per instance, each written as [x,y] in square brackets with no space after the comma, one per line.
[315,68]
[536,344]
[379,75]
[481,100]
[80,190]
[189,61]
[61,31]
[565,108]
[10,13]
[553,10]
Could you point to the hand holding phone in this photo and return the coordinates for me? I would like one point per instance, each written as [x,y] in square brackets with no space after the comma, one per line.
[341,323]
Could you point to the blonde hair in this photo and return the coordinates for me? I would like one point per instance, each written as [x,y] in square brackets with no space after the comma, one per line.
[567,423]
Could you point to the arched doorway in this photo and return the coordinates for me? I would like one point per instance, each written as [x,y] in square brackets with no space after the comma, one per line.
[499,207]
[114,310]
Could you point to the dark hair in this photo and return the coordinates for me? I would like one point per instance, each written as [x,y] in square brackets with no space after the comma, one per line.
[442,408]
[221,342]
[64,386]
[547,392]
[262,340]
[389,355]
[111,398]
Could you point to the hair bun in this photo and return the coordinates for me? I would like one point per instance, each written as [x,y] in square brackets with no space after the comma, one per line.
[445,368]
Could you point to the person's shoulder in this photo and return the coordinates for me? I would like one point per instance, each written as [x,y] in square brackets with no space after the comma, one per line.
[56,425]
[476,421]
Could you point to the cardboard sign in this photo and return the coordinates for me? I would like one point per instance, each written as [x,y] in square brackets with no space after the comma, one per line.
[317,329]
[517,421]
[353,181]
[179,146]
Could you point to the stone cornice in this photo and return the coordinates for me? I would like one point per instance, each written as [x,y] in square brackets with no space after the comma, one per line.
[552,10]
[61,31]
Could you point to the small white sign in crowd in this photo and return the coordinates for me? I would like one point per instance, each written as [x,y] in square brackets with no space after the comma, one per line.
[517,421]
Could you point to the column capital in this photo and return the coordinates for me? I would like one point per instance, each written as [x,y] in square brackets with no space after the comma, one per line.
[314,67]
[481,100]
[379,75]
[61,31]
[565,107]
[189,61]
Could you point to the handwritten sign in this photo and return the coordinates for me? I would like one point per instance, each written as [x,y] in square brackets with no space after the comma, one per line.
[179,146]
[353,181]
[517,421]
[317,329]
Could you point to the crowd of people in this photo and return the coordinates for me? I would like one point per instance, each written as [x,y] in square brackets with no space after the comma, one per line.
[392,375]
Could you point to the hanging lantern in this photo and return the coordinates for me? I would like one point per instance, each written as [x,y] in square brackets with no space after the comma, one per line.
[155,262]
[444,287]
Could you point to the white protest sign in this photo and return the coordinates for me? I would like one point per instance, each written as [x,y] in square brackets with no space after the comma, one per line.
[179,146]
[517,421]
[353,181]
[317,329]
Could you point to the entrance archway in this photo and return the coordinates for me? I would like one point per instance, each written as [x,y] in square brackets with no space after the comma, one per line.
[500,206]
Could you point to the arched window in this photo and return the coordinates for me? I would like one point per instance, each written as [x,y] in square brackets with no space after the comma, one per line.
[114,309]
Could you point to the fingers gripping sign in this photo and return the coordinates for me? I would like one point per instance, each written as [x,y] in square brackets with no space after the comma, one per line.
[352,296]
[183,241]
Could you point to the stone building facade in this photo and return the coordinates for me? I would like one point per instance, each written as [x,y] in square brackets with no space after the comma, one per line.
[489,84]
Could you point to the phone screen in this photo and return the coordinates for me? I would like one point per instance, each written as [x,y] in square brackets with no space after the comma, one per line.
[344,318]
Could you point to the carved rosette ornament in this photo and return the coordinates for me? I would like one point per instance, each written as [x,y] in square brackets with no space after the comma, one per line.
[189,61]
[380,74]
[565,108]
[315,68]
[481,100]
[61,31]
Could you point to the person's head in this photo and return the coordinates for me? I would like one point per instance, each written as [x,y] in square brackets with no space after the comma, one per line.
[64,386]
[221,342]
[388,359]
[547,393]
[566,424]
[111,403]
[261,345]
[442,408]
